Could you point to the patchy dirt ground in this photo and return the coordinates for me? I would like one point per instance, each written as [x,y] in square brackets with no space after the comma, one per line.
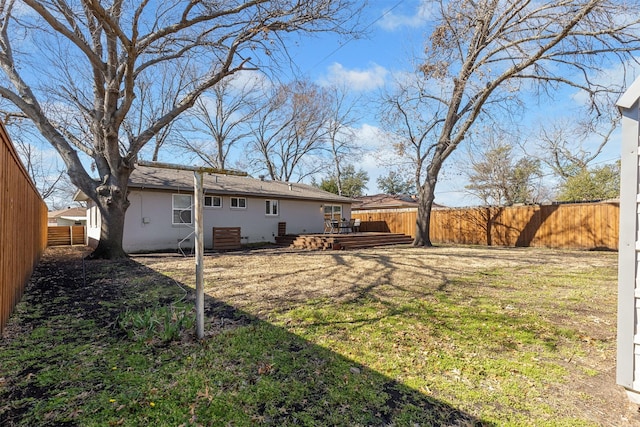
[269,281]
[266,281]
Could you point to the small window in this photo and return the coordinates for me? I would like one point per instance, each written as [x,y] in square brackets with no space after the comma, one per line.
[271,207]
[333,212]
[238,203]
[182,209]
[213,201]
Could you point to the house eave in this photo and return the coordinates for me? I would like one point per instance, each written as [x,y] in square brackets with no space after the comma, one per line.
[630,96]
[79,196]
[225,192]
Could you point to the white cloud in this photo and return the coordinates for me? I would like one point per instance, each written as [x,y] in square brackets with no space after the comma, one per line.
[245,79]
[356,80]
[376,147]
[392,21]
[617,75]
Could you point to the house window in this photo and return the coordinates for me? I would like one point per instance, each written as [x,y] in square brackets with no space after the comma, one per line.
[333,212]
[271,207]
[182,206]
[213,201]
[238,203]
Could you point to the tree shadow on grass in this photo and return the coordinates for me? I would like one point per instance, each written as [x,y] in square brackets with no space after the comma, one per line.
[69,359]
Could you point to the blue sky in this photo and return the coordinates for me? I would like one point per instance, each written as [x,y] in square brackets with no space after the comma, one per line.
[396,31]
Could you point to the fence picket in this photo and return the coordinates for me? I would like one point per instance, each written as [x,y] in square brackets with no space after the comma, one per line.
[571,226]
[23,227]
[66,235]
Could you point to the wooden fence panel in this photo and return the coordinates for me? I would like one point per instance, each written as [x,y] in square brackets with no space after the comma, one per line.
[66,235]
[225,238]
[571,226]
[400,221]
[23,227]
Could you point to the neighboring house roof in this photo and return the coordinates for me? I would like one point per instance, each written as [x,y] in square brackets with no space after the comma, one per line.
[387,201]
[72,214]
[152,178]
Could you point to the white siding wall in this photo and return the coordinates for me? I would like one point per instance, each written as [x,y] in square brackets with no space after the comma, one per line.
[147,224]
[67,222]
[628,357]
[94,223]
[148,221]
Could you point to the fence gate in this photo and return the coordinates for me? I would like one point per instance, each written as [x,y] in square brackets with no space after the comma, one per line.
[66,235]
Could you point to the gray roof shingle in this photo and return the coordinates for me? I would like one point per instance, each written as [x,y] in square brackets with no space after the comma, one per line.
[145,177]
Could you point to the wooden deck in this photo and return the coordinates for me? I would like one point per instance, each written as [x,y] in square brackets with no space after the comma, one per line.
[342,241]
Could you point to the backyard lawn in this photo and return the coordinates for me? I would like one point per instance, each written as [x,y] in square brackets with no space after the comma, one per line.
[402,336]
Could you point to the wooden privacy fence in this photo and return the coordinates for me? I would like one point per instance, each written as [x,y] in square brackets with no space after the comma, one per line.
[23,227]
[571,226]
[66,235]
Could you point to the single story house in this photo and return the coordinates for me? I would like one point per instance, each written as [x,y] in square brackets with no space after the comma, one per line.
[67,217]
[161,217]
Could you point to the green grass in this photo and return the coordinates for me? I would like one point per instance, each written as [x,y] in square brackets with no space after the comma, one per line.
[482,348]
[476,354]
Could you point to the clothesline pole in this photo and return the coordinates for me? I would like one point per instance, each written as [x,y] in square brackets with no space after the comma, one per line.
[199,232]
[198,196]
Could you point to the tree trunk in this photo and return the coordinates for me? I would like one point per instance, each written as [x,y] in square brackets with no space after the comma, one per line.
[426,196]
[111,232]
[112,202]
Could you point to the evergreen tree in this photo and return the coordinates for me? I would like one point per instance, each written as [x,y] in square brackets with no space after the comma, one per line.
[592,184]
[353,182]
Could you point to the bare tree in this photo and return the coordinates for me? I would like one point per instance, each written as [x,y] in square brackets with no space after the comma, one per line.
[45,174]
[42,166]
[156,97]
[340,134]
[223,114]
[290,131]
[409,124]
[561,145]
[484,56]
[498,178]
[73,67]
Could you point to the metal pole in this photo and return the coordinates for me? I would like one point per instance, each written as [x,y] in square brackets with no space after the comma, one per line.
[198,189]
[198,203]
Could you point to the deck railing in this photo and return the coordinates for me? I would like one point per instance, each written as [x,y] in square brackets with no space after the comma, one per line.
[571,226]
[23,227]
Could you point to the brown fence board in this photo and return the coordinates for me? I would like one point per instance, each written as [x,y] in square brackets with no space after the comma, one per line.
[66,235]
[23,227]
[225,238]
[571,226]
